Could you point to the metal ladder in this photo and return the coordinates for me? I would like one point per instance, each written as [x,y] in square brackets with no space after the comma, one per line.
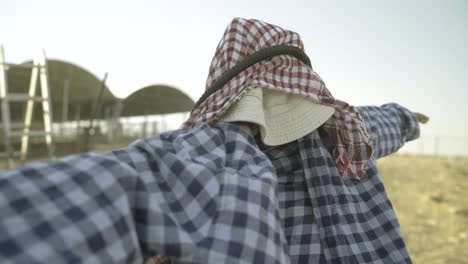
[38,71]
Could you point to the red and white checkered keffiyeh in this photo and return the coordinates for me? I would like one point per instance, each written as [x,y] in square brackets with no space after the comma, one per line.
[352,146]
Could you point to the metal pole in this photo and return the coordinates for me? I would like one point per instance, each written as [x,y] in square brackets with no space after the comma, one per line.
[78,120]
[66,88]
[94,112]
[97,103]
[29,108]
[5,111]
[117,109]
[46,104]
[146,126]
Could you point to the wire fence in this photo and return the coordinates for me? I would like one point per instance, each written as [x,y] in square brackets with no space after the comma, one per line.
[438,145]
[427,144]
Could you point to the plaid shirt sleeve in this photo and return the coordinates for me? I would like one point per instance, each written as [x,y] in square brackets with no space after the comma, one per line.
[190,196]
[390,126]
[73,210]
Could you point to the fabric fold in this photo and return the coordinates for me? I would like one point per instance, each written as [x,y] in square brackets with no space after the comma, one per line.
[352,146]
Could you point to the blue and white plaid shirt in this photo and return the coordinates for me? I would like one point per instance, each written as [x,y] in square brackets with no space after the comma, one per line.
[209,195]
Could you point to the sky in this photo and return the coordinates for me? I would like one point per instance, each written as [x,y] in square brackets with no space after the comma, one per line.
[414,53]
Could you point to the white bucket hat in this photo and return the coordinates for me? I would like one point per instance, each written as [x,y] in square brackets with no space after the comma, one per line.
[280,117]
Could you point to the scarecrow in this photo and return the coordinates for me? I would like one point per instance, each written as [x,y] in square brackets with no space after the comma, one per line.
[269,168]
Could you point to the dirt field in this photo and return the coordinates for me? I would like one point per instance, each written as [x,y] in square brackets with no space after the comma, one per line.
[430,196]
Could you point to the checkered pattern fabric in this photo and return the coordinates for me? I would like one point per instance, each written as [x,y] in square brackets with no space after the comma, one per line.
[208,195]
[295,205]
[332,219]
[242,38]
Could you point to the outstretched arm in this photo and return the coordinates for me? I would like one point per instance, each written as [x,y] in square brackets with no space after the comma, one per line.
[390,126]
[178,194]
[72,210]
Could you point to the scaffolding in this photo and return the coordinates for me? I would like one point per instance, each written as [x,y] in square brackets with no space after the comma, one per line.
[23,130]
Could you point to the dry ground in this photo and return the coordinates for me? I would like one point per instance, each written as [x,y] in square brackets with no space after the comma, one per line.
[430,196]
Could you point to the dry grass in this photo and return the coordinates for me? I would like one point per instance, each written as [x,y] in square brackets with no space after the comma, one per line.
[430,197]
